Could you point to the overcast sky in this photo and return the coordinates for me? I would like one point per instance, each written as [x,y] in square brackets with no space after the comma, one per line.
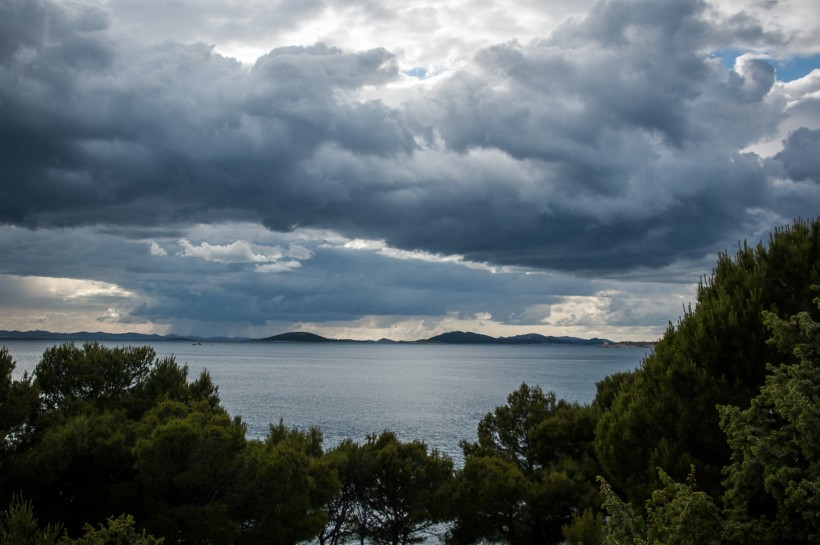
[394,168]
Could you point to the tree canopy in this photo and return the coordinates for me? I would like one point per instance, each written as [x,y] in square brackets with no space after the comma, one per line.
[532,467]
[772,483]
[664,415]
[105,432]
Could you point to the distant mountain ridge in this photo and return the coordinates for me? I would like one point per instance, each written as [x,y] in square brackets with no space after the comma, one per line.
[459,337]
[536,338]
[462,337]
[452,337]
[101,336]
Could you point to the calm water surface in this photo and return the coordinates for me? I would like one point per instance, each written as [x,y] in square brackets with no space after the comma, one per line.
[436,393]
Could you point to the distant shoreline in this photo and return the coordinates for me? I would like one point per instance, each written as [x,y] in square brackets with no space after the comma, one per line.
[453,337]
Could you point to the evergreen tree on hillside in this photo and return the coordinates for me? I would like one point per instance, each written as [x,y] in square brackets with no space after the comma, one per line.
[530,470]
[103,434]
[664,416]
[18,399]
[772,485]
[74,455]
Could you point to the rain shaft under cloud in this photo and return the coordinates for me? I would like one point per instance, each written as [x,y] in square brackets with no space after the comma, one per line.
[613,148]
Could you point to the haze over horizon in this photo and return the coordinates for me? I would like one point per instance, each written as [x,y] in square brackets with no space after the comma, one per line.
[394,169]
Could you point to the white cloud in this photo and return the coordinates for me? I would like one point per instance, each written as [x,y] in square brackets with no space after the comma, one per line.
[279,266]
[297,251]
[432,35]
[157,250]
[362,244]
[802,109]
[73,288]
[381,248]
[622,311]
[67,305]
[785,26]
[239,251]
[575,311]
[111,315]
[268,259]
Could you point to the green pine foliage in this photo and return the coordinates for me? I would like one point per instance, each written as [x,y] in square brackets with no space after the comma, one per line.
[772,484]
[116,531]
[773,481]
[391,492]
[531,469]
[664,416]
[19,526]
[676,514]
[116,446]
[117,432]
[586,528]
[18,399]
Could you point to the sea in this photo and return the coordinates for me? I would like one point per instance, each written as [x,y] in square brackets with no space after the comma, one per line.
[431,392]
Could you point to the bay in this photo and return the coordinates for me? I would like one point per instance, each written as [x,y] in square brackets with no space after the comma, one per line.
[435,393]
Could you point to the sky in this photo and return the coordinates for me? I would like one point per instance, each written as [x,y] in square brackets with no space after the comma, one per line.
[394,169]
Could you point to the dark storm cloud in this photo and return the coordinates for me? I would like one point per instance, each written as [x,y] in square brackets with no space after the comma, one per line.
[172,132]
[609,145]
[631,134]
[801,155]
[331,283]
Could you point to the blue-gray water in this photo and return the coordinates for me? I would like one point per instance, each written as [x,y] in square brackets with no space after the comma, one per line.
[436,393]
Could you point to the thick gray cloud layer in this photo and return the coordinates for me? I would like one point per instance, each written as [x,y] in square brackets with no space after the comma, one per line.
[231,286]
[615,144]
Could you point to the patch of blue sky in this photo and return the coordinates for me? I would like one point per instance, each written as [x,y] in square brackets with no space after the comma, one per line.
[796,67]
[787,69]
[417,72]
[728,56]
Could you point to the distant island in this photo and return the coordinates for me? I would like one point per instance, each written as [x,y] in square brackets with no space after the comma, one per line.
[452,337]
[461,337]
[298,337]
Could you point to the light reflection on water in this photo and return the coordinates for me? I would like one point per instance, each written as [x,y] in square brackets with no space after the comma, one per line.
[436,393]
